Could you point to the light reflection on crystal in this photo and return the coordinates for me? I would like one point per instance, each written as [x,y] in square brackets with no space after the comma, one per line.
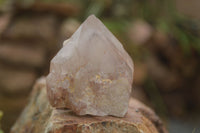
[92,73]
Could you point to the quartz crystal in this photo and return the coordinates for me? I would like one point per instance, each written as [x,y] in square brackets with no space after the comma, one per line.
[92,73]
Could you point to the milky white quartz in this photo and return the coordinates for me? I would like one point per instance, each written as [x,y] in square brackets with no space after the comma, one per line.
[92,73]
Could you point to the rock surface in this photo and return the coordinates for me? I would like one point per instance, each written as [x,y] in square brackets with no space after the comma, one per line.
[40,117]
[92,73]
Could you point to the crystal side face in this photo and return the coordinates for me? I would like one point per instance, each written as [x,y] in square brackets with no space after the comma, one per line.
[92,73]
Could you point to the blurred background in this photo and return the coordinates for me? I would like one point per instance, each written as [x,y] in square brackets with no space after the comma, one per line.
[161,36]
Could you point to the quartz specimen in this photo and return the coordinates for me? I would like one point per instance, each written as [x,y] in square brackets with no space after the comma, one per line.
[92,73]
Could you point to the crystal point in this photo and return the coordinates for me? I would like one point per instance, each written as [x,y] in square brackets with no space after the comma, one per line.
[92,73]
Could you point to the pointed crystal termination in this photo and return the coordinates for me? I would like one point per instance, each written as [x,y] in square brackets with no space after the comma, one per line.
[92,73]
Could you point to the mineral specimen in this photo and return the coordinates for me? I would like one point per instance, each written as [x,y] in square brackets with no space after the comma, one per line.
[92,73]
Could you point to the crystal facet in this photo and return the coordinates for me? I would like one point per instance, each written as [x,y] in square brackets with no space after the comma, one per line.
[92,73]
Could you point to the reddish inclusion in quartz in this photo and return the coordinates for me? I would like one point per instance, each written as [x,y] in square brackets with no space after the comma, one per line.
[92,73]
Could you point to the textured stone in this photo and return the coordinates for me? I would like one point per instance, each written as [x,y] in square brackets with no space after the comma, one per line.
[40,117]
[92,73]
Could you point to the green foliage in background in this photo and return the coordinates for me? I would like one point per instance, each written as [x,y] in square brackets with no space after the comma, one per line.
[2,2]
[161,14]
[1,114]
[184,30]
